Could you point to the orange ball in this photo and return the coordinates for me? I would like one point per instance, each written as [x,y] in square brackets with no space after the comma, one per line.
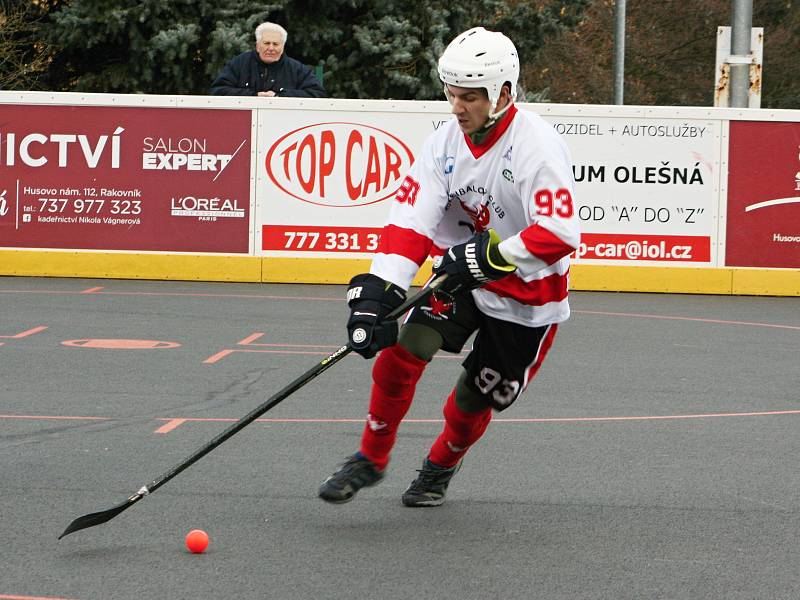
[197,541]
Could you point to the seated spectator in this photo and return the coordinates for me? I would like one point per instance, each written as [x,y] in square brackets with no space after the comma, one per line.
[267,70]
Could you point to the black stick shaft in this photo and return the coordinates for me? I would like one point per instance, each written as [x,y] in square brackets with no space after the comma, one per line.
[92,519]
[287,391]
[273,401]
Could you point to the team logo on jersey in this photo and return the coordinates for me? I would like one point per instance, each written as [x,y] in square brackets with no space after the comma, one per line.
[507,154]
[449,164]
[479,216]
[440,306]
[478,203]
[508,175]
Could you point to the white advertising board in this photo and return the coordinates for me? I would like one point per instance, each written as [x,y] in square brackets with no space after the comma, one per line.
[325,180]
[647,188]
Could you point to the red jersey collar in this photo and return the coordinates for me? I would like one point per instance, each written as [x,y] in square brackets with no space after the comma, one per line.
[495,134]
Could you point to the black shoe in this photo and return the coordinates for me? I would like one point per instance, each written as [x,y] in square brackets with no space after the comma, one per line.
[354,474]
[429,488]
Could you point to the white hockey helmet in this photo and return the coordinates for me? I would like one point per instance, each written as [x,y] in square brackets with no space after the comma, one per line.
[480,59]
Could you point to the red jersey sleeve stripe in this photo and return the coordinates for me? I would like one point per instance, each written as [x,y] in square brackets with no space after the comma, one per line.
[405,242]
[553,288]
[544,244]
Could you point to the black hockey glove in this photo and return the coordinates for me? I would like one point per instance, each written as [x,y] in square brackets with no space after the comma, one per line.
[473,263]
[370,298]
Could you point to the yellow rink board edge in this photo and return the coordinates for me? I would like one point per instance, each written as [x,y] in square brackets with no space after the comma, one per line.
[118,265]
[201,267]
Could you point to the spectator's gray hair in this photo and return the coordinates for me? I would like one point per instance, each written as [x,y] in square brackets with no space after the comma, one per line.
[264,27]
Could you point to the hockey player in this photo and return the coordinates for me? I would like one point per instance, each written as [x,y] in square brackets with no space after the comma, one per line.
[491,195]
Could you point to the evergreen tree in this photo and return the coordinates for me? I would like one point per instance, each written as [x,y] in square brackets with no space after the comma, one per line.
[367,48]
[151,46]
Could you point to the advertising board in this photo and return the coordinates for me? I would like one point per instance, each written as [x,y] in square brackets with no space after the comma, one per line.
[763,224]
[646,188]
[119,178]
[324,185]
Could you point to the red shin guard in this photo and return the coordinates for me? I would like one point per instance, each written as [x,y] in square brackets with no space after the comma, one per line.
[461,430]
[394,377]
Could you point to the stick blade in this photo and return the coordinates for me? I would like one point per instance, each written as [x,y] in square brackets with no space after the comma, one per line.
[98,518]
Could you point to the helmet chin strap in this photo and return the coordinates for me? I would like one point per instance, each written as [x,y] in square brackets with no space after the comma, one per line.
[494,117]
[477,137]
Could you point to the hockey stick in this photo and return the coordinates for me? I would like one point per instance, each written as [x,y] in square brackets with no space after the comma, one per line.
[98,518]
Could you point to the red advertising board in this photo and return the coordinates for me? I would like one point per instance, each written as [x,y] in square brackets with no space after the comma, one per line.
[763,228]
[118,178]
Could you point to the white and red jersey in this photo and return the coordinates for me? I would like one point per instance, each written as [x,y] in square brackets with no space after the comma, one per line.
[519,182]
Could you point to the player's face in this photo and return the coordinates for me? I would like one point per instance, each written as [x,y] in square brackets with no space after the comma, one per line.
[269,47]
[471,107]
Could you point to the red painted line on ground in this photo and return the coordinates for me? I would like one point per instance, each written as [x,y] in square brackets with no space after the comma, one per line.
[324,348]
[223,353]
[696,319]
[46,292]
[120,344]
[249,339]
[339,299]
[92,290]
[7,597]
[245,296]
[170,425]
[651,417]
[55,417]
[297,420]
[170,421]
[24,333]
[218,356]
[177,294]
[284,351]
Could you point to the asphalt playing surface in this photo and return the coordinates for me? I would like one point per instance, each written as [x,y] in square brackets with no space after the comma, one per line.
[655,455]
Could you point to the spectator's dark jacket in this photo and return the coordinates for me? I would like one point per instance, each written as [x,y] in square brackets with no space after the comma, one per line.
[246,75]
